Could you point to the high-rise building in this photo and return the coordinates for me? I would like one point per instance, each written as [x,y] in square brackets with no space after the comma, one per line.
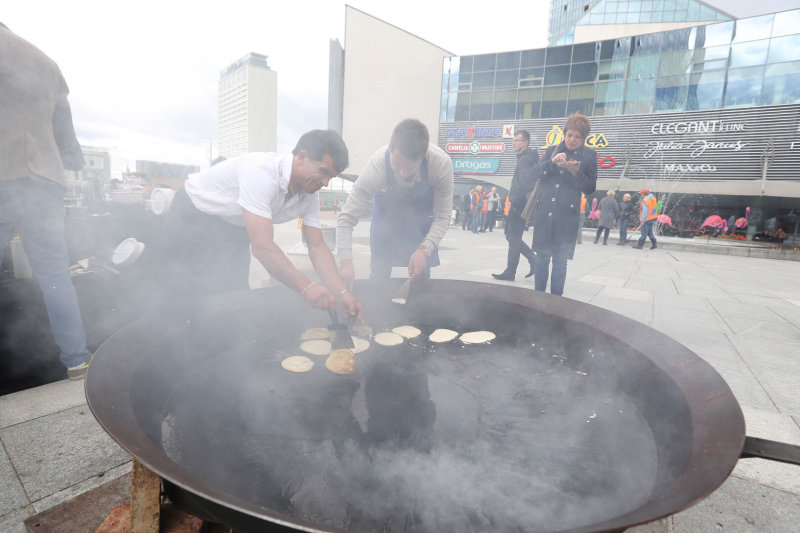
[247,111]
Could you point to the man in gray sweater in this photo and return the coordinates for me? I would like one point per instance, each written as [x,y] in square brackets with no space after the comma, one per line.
[411,182]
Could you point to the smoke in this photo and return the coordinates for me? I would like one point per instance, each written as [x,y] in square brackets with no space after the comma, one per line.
[505,437]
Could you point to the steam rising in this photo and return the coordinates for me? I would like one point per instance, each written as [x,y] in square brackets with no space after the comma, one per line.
[500,437]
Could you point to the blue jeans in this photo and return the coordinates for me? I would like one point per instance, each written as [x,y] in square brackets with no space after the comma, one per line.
[623,229]
[647,231]
[558,277]
[476,221]
[34,208]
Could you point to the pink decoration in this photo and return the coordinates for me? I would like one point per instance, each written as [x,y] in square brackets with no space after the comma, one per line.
[741,223]
[594,213]
[665,219]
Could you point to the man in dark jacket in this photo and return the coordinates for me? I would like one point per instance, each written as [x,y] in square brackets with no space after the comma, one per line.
[521,186]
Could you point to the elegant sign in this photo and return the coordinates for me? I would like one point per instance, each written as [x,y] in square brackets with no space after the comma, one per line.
[476,166]
[475,147]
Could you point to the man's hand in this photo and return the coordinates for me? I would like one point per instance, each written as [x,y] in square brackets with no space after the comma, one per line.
[417,263]
[350,306]
[319,297]
[347,272]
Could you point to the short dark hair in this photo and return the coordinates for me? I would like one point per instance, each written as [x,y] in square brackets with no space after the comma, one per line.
[525,135]
[411,138]
[320,142]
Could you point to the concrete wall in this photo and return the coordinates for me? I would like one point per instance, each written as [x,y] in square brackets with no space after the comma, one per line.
[262,110]
[390,75]
[587,34]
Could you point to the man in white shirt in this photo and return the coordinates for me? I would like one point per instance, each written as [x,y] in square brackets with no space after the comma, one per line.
[411,182]
[228,210]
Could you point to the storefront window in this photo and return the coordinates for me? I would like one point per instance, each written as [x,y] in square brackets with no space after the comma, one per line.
[781,84]
[554,102]
[749,54]
[612,69]
[784,49]
[529,103]
[743,87]
[583,52]
[609,97]
[670,94]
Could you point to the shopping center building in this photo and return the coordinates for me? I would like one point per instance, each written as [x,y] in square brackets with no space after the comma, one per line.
[705,115]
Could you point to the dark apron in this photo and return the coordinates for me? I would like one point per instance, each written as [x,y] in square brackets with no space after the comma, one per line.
[400,221]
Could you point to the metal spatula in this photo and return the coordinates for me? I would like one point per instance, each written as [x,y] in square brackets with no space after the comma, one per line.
[338,333]
[401,296]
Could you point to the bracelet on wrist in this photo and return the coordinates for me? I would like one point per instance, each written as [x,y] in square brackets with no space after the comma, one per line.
[305,289]
[342,293]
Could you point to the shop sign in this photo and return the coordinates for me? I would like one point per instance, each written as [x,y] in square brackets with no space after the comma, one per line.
[473,132]
[475,147]
[476,166]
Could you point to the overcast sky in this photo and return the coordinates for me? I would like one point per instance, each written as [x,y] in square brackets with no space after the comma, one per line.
[143,75]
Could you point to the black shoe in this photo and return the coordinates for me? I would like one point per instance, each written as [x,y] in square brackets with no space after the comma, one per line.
[605,243]
[621,243]
[654,246]
[595,242]
[531,273]
[637,247]
[504,276]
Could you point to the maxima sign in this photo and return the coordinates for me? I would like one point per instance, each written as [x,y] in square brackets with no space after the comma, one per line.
[476,166]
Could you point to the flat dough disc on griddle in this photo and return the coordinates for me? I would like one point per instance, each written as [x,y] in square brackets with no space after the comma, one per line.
[316,347]
[315,333]
[341,361]
[387,338]
[409,332]
[361,345]
[477,337]
[297,363]
[443,335]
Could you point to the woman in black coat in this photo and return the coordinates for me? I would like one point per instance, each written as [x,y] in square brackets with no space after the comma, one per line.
[566,171]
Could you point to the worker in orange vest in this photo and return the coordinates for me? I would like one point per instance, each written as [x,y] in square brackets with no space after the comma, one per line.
[648,217]
[507,207]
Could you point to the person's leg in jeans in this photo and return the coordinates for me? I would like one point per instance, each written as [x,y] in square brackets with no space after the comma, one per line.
[41,226]
[597,236]
[605,234]
[558,276]
[623,229]
[542,271]
[581,221]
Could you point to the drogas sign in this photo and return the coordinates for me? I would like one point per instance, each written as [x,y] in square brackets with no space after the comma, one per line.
[476,166]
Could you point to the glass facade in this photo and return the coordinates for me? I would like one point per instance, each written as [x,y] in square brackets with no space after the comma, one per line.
[566,14]
[742,63]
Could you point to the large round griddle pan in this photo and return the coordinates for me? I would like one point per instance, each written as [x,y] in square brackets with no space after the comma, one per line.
[419,438]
